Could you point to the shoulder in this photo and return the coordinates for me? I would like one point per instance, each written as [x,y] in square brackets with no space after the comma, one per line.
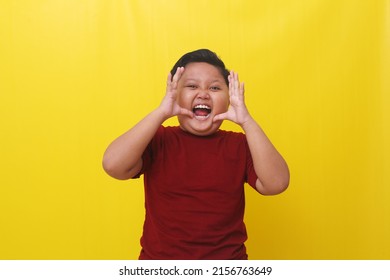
[233,135]
[232,141]
[167,131]
[165,135]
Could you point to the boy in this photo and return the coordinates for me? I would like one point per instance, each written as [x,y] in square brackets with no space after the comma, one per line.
[194,174]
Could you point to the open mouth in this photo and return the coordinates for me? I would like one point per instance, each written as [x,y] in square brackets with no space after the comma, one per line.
[201,111]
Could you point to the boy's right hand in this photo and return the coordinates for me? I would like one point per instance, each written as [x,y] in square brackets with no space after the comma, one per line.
[168,105]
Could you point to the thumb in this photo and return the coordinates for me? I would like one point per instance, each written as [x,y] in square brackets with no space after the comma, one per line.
[220,117]
[183,111]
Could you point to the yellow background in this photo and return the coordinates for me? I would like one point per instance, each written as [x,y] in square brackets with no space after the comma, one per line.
[74,74]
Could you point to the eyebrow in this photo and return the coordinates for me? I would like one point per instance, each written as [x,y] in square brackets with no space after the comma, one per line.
[196,80]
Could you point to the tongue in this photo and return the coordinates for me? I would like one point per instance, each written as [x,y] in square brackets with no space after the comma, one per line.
[201,112]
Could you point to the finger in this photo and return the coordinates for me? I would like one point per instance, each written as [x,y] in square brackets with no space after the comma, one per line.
[172,81]
[169,78]
[178,74]
[234,83]
[186,112]
[242,89]
[220,117]
[231,83]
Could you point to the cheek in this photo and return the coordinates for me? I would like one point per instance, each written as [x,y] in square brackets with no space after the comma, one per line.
[185,99]
[181,98]
[222,103]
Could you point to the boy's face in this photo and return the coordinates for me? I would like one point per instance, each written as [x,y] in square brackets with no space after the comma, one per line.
[202,90]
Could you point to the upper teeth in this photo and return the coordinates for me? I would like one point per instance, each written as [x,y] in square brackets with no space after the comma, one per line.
[202,107]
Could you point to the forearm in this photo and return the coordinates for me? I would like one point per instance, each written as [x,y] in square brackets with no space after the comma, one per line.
[270,167]
[123,157]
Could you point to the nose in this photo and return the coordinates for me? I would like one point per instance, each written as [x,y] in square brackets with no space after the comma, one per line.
[203,94]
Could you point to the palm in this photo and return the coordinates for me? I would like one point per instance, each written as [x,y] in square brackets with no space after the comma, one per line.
[237,111]
[169,104]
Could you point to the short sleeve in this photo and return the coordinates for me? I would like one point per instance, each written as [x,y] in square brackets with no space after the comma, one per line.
[148,154]
[251,176]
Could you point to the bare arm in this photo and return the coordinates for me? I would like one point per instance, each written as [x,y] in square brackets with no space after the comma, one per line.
[123,157]
[272,172]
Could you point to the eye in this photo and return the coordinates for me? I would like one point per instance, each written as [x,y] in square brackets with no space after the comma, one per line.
[215,88]
[191,86]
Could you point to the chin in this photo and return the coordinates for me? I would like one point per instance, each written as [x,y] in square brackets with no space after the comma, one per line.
[200,127]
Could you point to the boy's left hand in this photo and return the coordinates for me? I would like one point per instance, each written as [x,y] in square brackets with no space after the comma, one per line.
[237,111]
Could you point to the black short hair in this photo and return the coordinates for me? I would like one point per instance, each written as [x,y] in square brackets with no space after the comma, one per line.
[202,55]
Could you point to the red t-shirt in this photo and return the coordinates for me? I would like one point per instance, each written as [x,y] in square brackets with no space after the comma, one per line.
[194,195]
